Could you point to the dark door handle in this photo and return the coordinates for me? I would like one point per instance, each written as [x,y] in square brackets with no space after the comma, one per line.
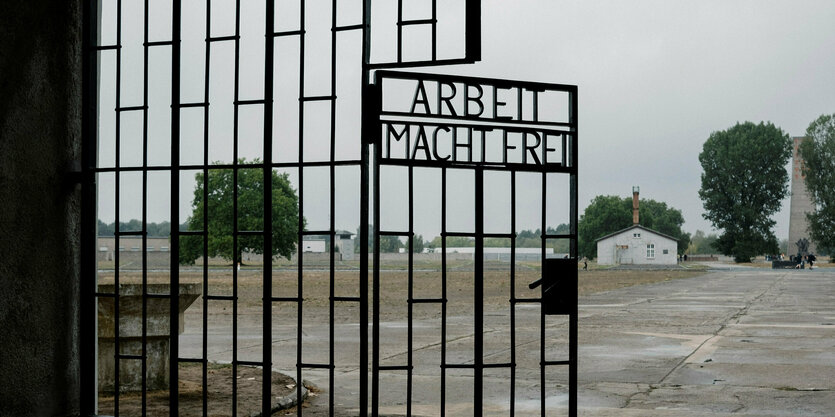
[535,283]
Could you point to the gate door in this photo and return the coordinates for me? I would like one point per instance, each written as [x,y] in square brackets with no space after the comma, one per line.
[483,319]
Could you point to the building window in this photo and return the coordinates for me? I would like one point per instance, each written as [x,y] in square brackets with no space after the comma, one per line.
[666,251]
[636,235]
[651,250]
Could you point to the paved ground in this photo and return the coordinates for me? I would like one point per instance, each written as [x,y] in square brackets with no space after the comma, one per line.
[751,342]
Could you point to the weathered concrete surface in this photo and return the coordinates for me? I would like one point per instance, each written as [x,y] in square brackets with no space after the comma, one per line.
[40,132]
[750,342]
[157,334]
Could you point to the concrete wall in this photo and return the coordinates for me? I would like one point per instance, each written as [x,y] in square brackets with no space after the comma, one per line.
[635,252]
[40,133]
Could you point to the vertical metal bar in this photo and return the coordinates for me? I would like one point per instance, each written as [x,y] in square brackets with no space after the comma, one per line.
[332,213]
[235,169]
[411,283]
[87,340]
[364,227]
[443,291]
[174,317]
[573,319]
[399,30]
[266,394]
[300,269]
[472,49]
[375,305]
[205,227]
[478,295]
[144,237]
[363,232]
[435,30]
[544,241]
[513,293]
[117,208]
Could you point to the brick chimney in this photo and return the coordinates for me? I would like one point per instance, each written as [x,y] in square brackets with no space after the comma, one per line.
[635,191]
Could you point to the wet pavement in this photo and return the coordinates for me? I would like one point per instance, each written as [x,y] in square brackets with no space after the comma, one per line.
[753,342]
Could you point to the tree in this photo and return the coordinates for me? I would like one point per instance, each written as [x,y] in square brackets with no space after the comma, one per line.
[418,244]
[250,186]
[818,154]
[743,184]
[608,214]
[702,244]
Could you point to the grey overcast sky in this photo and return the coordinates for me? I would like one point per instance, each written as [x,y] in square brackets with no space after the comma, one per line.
[655,79]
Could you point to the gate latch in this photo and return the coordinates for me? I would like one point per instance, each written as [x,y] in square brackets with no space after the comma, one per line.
[559,286]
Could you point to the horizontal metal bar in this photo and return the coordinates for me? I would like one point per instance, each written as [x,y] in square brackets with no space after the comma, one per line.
[315,366]
[427,63]
[250,363]
[500,235]
[526,301]
[458,234]
[185,105]
[316,232]
[317,98]
[288,33]
[105,294]
[490,166]
[222,38]
[231,166]
[220,297]
[129,233]
[131,108]
[191,360]
[108,47]
[555,363]
[395,368]
[489,121]
[457,366]
[348,27]
[417,22]
[427,300]
[154,295]
[159,43]
[347,299]
[499,365]
[285,299]
[191,233]
[130,357]
[249,102]
[498,82]
[395,233]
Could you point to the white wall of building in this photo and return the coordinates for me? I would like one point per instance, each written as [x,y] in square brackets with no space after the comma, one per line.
[637,246]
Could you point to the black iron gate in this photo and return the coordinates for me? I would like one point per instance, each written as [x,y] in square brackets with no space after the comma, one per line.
[172,83]
[464,127]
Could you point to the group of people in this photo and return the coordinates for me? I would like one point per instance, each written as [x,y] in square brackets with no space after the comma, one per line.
[801,260]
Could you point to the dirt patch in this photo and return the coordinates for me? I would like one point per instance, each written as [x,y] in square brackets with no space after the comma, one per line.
[219,382]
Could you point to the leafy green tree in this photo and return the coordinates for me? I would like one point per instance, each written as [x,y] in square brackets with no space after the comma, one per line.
[418,244]
[608,214]
[390,244]
[219,208]
[743,184]
[702,244]
[818,153]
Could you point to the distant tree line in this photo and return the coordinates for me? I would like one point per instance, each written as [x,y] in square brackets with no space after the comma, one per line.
[162,229]
[524,239]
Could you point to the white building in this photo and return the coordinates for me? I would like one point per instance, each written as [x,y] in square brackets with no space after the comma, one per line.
[637,245]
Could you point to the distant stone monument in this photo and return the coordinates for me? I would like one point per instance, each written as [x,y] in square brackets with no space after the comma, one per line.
[157,334]
[801,203]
